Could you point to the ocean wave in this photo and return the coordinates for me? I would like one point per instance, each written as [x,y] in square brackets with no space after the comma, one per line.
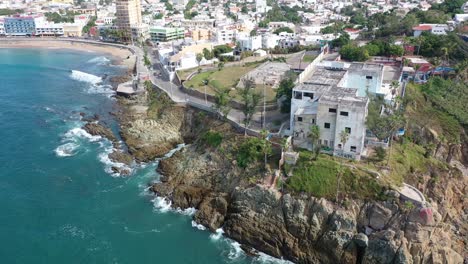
[109,164]
[263,258]
[235,251]
[101,89]
[101,60]
[217,235]
[198,226]
[85,77]
[79,132]
[162,204]
[66,150]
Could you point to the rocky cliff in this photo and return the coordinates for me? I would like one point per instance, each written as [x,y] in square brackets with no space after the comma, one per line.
[298,227]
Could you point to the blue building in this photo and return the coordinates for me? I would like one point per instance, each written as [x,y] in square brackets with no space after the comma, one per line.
[21,25]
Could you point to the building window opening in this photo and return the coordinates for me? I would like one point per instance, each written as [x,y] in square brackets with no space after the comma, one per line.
[343,113]
[298,95]
[352,148]
[348,130]
[339,146]
[310,95]
[369,77]
[331,110]
[299,118]
[326,125]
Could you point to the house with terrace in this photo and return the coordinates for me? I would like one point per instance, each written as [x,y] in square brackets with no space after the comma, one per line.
[335,98]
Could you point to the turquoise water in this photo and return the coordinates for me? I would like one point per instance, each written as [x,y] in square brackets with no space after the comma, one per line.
[58,201]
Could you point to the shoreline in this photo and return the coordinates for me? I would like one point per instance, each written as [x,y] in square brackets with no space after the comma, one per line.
[118,55]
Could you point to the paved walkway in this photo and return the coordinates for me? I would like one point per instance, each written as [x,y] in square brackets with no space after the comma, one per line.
[160,78]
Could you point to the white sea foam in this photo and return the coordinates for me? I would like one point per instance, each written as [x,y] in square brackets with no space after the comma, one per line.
[78,132]
[267,259]
[109,164]
[101,89]
[85,77]
[217,235]
[188,211]
[198,226]
[67,149]
[162,204]
[101,60]
[170,153]
[235,251]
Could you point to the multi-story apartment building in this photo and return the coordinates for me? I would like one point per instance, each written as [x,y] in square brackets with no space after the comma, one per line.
[164,34]
[49,29]
[335,98]
[201,34]
[2,27]
[128,14]
[22,25]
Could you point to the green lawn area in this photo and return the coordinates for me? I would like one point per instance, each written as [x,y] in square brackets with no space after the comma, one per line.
[319,178]
[408,158]
[185,73]
[308,58]
[228,77]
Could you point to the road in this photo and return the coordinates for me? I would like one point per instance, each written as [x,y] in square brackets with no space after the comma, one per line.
[159,78]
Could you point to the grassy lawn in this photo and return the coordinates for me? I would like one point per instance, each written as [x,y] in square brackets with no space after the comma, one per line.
[185,73]
[228,77]
[319,178]
[308,58]
[408,159]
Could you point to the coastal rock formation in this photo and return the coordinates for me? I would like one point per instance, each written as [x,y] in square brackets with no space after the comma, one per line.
[297,227]
[303,228]
[97,129]
[149,137]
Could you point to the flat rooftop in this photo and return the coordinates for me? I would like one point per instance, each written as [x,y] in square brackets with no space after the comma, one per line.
[325,76]
[391,73]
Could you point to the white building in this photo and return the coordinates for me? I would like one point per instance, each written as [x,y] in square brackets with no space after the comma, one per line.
[224,36]
[335,99]
[261,6]
[250,43]
[270,41]
[436,29]
[49,29]
[2,27]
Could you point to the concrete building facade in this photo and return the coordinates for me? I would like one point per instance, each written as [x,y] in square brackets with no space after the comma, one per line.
[335,98]
[164,34]
[21,25]
[128,14]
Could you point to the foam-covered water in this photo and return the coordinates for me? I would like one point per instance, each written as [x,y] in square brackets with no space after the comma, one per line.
[58,201]
[85,77]
[100,60]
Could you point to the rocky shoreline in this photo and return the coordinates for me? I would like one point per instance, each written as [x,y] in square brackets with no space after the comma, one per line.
[297,227]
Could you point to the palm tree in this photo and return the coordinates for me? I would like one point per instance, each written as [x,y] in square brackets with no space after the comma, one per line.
[266,145]
[344,136]
[314,136]
[199,58]
[394,85]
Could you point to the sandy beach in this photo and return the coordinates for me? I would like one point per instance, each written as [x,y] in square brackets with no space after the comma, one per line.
[118,55]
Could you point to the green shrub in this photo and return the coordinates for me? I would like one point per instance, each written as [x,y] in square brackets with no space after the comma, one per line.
[251,150]
[380,154]
[212,138]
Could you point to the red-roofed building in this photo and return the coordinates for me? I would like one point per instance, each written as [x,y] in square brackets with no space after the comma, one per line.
[437,29]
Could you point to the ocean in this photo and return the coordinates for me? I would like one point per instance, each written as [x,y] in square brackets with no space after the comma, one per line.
[59,201]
